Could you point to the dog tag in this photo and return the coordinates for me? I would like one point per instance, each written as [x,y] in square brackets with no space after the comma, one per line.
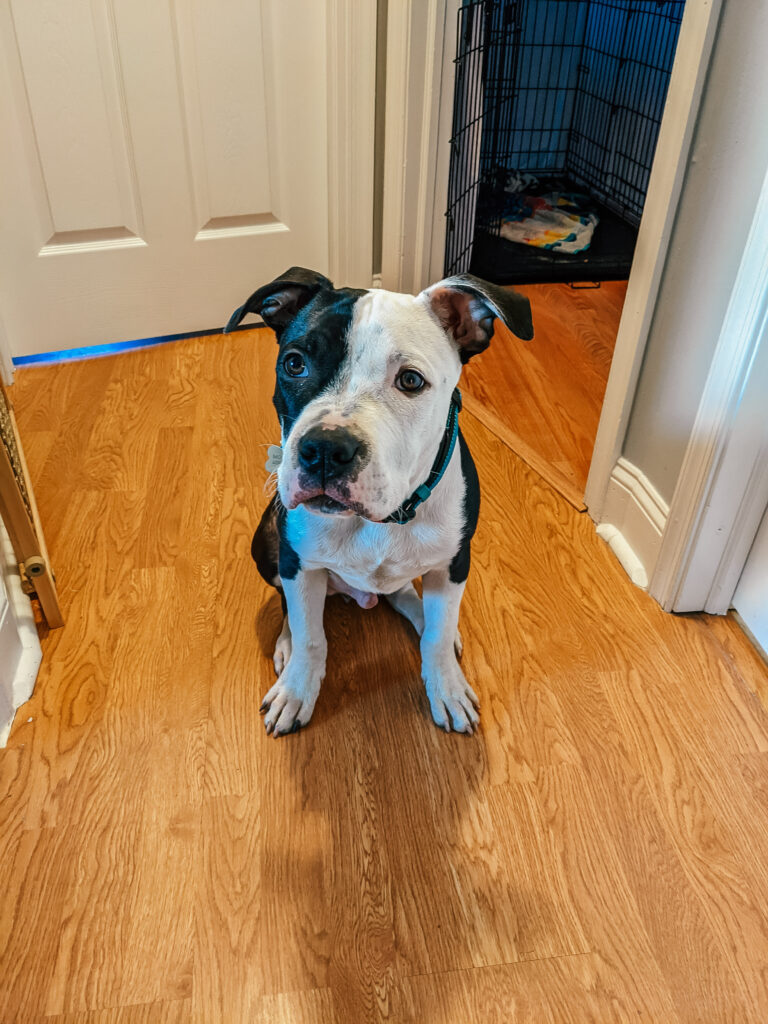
[274,457]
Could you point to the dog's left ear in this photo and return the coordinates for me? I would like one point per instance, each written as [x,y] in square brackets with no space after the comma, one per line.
[466,308]
[278,302]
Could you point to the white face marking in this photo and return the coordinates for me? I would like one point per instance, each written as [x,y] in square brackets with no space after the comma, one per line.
[400,432]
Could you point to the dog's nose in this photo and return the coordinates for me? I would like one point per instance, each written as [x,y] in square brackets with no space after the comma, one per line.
[328,454]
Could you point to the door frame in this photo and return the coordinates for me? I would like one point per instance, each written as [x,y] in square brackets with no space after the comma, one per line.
[689,71]
[421,45]
[721,494]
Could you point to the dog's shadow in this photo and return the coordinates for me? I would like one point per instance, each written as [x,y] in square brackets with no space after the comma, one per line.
[403,828]
[373,649]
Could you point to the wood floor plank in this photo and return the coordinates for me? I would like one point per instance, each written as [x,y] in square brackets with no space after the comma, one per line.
[126,934]
[711,823]
[595,853]
[311,1007]
[72,686]
[609,912]
[564,990]
[36,867]
[558,474]
[242,670]
[740,655]
[543,398]
[171,480]
[229,954]
[177,1011]
[75,392]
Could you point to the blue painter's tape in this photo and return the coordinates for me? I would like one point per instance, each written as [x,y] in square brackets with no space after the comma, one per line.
[68,355]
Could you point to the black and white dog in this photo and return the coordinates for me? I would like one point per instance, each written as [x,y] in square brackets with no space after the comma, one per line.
[373,489]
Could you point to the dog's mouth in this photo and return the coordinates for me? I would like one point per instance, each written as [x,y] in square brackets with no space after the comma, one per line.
[326,504]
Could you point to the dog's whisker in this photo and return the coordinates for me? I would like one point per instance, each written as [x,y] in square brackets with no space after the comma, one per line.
[270,484]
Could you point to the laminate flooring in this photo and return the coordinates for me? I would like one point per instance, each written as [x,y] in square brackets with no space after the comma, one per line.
[597,852]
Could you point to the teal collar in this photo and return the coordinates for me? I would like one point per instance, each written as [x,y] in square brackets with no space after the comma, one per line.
[407,510]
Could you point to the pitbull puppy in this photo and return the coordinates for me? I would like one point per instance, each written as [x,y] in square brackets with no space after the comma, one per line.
[372,488]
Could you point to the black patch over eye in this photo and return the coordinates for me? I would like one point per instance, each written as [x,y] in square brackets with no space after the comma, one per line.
[294,365]
[410,381]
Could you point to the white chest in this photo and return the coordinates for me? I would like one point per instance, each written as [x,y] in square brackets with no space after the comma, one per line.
[371,556]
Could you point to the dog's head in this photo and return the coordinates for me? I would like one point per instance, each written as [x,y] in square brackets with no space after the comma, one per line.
[364,381]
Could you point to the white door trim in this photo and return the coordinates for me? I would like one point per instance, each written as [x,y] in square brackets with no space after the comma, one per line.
[722,491]
[697,33]
[17,622]
[421,41]
[351,26]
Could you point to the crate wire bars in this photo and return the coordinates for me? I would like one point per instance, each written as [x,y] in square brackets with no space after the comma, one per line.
[571,92]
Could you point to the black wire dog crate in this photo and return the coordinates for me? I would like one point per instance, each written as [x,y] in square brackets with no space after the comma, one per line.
[556,102]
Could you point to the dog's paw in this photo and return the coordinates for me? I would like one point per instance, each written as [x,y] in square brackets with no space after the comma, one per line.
[452,701]
[288,706]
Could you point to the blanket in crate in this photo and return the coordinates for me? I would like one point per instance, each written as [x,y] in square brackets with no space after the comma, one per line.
[561,221]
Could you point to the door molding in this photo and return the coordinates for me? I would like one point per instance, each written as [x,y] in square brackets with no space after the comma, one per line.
[697,34]
[421,42]
[351,49]
[16,617]
[722,491]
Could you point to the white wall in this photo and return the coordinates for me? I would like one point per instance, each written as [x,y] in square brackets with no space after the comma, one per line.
[751,597]
[722,184]
[6,364]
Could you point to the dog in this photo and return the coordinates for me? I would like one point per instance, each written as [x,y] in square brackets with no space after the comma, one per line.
[375,483]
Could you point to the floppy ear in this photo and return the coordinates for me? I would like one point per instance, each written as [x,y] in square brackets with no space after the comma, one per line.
[466,308]
[278,302]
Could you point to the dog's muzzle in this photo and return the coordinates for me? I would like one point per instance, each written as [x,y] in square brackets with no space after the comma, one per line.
[329,454]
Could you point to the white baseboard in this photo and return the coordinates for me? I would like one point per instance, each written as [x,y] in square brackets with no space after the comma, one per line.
[632,521]
[18,640]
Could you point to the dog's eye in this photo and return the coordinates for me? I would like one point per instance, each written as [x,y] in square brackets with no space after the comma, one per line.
[294,365]
[410,380]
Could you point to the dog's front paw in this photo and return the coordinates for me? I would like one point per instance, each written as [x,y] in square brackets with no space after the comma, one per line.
[289,704]
[452,700]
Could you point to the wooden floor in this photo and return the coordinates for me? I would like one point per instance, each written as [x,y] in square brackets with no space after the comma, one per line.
[544,397]
[598,852]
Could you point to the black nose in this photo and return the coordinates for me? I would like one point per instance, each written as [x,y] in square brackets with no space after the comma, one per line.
[327,454]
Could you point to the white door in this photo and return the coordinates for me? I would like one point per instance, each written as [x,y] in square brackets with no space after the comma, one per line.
[162,158]
[751,597]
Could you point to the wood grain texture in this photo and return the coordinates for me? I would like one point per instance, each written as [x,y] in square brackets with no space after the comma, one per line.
[596,853]
[543,398]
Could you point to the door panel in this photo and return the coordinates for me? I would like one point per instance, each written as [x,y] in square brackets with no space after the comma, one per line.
[163,159]
[223,67]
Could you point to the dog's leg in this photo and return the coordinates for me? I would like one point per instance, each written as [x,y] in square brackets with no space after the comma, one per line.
[409,604]
[282,647]
[452,700]
[291,701]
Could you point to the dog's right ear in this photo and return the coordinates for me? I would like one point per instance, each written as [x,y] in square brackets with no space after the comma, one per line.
[278,302]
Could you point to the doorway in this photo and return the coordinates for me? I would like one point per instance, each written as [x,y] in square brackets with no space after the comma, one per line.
[556,116]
